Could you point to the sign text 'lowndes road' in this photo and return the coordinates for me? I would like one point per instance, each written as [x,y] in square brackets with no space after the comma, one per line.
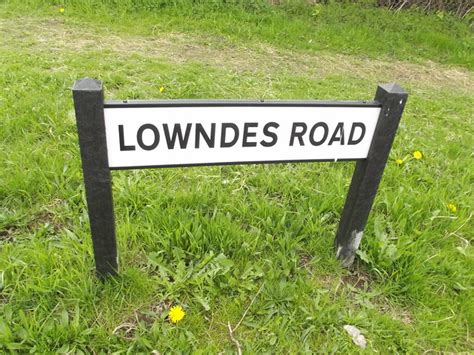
[173,136]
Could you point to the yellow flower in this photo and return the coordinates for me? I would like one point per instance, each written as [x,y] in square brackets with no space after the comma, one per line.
[176,314]
[417,155]
[399,161]
[61,9]
[162,89]
[452,207]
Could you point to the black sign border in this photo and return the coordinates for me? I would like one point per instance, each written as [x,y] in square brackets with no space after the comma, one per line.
[111,104]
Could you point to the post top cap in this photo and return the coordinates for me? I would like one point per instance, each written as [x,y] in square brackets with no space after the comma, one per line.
[87,84]
[393,88]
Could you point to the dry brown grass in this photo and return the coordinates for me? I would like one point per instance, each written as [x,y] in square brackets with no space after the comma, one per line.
[61,37]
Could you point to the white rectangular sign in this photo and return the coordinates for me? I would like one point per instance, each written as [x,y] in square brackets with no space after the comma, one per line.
[183,135]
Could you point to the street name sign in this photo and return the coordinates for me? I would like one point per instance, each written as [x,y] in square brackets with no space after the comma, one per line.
[264,132]
[175,133]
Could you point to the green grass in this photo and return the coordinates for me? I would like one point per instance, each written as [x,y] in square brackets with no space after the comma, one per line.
[215,239]
[348,28]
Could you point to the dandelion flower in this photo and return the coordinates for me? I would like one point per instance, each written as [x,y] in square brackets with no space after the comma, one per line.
[452,207]
[176,314]
[399,161]
[417,155]
[61,9]
[162,89]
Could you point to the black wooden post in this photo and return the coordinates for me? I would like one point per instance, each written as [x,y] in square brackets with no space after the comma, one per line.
[89,106]
[368,173]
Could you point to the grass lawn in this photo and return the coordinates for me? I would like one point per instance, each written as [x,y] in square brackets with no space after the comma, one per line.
[250,247]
